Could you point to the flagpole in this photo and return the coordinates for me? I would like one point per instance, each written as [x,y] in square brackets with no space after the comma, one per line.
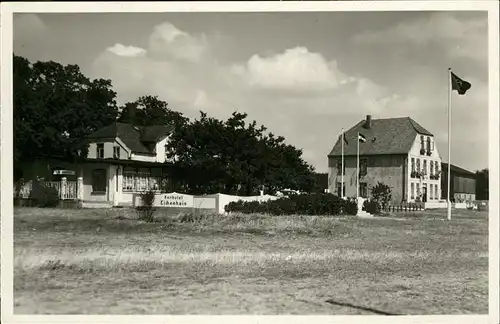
[357,169]
[449,144]
[342,171]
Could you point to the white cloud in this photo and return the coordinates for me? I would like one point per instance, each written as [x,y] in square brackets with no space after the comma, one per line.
[296,69]
[128,51]
[167,41]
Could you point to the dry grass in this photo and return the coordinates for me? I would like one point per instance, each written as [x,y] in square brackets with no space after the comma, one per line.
[104,262]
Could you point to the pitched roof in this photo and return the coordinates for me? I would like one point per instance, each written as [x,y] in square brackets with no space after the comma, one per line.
[457,169]
[385,136]
[134,137]
[153,133]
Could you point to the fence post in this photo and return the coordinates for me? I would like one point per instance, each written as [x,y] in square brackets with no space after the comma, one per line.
[79,188]
[62,193]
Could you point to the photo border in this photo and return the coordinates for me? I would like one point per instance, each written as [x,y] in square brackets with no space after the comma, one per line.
[6,148]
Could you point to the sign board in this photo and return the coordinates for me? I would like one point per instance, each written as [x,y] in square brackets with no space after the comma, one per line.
[174,200]
[64,172]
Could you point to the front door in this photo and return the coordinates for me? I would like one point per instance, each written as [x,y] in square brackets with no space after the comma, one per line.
[424,194]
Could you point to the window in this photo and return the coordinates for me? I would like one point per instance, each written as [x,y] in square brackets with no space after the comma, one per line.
[363,167]
[437,168]
[99,180]
[424,168]
[363,190]
[100,151]
[437,192]
[431,192]
[129,179]
[418,190]
[116,152]
[412,190]
[412,164]
[428,143]
[418,165]
[422,142]
[431,167]
[143,176]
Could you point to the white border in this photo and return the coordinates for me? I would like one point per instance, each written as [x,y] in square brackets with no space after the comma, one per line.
[7,9]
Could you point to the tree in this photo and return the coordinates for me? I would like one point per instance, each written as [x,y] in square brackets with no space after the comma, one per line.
[150,110]
[234,157]
[482,184]
[55,108]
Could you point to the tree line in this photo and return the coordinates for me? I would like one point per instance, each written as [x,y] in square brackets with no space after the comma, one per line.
[56,107]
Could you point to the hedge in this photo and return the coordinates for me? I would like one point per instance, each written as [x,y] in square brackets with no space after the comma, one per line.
[307,204]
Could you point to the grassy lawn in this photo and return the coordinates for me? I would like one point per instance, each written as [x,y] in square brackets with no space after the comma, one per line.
[102,262]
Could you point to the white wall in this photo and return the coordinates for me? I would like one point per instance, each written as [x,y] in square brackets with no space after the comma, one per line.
[160,149]
[435,157]
[143,157]
[108,149]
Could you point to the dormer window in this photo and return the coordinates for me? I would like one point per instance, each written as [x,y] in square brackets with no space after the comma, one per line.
[428,146]
[100,151]
[116,152]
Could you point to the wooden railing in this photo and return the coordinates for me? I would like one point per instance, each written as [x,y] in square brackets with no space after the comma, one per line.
[67,190]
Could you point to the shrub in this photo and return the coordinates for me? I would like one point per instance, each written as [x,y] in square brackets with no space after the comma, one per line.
[146,211]
[43,196]
[351,207]
[307,204]
[371,206]
[381,194]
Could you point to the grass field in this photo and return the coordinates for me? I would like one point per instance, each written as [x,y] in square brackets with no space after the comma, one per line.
[101,262]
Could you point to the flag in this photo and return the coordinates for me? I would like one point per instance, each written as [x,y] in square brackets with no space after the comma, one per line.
[361,138]
[458,84]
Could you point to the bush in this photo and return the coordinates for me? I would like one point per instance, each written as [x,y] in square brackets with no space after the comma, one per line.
[146,211]
[381,194]
[351,207]
[307,204]
[371,206]
[43,196]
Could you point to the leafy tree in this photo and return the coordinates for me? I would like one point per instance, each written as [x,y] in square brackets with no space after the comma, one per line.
[236,157]
[55,108]
[482,184]
[150,110]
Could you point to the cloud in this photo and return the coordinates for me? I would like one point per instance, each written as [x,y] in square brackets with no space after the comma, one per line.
[122,50]
[296,69]
[168,42]
[462,38]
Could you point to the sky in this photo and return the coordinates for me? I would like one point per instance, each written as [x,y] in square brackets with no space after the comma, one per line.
[304,76]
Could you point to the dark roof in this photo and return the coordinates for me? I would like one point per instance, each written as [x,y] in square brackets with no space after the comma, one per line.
[152,134]
[385,136]
[456,169]
[133,137]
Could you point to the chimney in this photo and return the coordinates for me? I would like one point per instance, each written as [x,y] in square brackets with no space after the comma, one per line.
[368,123]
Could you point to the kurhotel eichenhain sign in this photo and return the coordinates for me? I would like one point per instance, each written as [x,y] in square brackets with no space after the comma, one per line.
[170,200]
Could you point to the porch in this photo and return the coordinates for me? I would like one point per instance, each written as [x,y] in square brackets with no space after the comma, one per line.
[105,183]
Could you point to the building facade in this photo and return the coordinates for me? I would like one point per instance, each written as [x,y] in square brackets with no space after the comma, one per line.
[462,185]
[397,152]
